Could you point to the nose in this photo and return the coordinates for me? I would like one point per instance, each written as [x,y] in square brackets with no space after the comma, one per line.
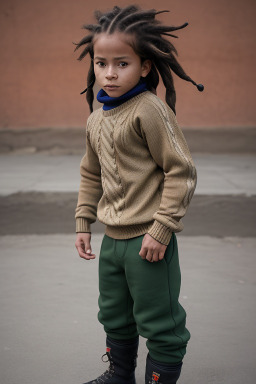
[111,73]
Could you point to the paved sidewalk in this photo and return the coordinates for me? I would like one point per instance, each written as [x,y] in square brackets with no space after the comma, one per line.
[49,330]
[217,174]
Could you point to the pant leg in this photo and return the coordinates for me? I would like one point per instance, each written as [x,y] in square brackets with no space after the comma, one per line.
[115,302]
[155,289]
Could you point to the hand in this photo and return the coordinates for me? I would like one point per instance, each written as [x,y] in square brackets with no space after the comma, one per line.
[151,249]
[83,246]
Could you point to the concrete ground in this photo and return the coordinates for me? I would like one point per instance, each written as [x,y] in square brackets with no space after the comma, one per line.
[38,194]
[49,331]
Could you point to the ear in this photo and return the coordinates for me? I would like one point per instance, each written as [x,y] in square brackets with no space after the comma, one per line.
[145,68]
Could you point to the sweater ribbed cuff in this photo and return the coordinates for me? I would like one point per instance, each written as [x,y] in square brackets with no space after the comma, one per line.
[82,225]
[160,233]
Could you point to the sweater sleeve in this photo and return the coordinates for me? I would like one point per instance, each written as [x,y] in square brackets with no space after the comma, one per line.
[169,150]
[90,190]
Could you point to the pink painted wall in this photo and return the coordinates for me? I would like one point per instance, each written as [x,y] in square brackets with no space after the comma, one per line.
[41,78]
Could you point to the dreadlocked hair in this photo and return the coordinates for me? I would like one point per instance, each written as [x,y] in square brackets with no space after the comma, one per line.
[148,42]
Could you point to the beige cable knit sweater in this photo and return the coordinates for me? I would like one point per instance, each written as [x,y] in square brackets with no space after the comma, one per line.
[137,174]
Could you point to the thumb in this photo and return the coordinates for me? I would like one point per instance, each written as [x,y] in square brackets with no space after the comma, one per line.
[88,248]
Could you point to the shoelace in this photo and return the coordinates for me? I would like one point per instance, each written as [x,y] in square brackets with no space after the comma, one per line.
[109,372]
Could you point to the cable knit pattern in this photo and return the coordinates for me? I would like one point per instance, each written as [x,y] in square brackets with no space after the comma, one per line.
[137,174]
[110,176]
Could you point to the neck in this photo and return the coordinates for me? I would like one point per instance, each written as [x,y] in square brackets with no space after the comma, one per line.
[113,102]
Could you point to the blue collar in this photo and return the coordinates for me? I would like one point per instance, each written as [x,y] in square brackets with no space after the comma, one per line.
[113,102]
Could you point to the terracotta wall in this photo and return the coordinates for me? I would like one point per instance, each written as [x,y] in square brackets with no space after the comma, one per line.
[41,78]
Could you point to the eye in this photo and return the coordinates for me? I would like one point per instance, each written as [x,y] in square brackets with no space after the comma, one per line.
[100,64]
[123,64]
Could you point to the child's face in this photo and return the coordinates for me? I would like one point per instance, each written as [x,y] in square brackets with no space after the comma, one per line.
[116,65]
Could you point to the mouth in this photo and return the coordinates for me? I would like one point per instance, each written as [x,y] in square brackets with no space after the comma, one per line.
[110,87]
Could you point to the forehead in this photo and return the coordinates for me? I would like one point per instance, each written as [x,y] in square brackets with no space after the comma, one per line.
[116,44]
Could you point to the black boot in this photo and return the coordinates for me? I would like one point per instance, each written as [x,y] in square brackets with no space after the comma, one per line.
[160,373]
[122,357]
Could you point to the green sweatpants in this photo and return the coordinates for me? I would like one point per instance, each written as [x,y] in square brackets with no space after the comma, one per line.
[140,297]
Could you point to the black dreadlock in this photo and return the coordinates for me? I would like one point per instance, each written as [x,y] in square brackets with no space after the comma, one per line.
[149,43]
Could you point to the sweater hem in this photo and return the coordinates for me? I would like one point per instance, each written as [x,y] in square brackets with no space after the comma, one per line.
[120,232]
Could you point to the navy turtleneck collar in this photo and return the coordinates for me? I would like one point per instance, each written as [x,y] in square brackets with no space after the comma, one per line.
[113,102]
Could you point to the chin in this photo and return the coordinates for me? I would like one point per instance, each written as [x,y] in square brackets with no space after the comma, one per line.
[114,93]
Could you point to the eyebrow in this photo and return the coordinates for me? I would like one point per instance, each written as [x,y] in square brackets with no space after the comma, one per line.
[115,58]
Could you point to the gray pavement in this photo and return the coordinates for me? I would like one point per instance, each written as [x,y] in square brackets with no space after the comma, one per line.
[49,331]
[49,328]
[221,174]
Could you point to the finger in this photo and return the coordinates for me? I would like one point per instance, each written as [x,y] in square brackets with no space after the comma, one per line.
[161,255]
[143,252]
[149,256]
[90,254]
[155,256]
[85,255]
[88,250]
[85,246]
